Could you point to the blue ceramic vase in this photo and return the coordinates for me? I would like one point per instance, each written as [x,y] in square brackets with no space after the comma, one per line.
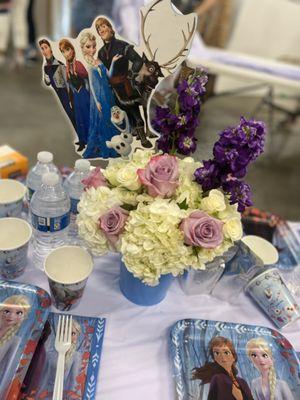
[139,293]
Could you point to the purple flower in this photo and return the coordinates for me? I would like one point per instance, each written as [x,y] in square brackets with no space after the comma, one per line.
[160,176]
[164,143]
[209,175]
[177,127]
[187,144]
[202,230]
[188,96]
[94,179]
[199,83]
[240,193]
[164,121]
[112,223]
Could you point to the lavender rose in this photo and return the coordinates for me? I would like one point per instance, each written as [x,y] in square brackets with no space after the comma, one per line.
[112,223]
[94,179]
[202,230]
[160,176]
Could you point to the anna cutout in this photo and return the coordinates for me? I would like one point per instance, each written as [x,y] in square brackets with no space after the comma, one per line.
[222,373]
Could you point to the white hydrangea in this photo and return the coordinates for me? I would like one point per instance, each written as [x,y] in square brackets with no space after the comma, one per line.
[126,196]
[152,244]
[188,190]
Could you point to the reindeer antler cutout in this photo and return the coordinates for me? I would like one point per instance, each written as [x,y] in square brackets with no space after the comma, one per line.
[143,22]
[172,64]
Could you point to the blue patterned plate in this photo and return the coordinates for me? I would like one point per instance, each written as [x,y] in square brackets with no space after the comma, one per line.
[81,364]
[225,361]
[23,312]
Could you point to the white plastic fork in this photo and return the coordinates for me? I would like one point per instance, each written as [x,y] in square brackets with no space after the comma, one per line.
[62,345]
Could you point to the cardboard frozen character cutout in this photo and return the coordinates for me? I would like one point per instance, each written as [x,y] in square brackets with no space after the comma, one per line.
[105,74]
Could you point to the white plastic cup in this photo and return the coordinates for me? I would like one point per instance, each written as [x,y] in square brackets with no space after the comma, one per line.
[68,269]
[12,193]
[15,234]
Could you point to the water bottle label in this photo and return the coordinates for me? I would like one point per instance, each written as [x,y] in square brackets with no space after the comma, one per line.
[74,203]
[30,193]
[47,224]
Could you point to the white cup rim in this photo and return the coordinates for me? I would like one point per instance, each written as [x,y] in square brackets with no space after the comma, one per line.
[25,223]
[249,240]
[259,276]
[17,197]
[69,282]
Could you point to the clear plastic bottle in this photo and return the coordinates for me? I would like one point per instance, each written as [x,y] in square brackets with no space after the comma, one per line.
[34,178]
[74,187]
[50,217]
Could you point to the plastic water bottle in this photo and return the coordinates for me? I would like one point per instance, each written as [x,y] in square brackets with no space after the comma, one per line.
[74,187]
[50,217]
[34,177]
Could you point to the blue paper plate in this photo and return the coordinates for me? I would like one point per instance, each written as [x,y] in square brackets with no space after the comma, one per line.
[24,310]
[81,364]
[198,372]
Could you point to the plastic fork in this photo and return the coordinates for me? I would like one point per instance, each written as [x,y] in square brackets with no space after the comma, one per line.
[62,345]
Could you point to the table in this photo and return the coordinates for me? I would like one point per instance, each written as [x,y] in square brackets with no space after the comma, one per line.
[135,362]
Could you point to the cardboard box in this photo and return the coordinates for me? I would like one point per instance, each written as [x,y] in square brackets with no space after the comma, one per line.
[12,163]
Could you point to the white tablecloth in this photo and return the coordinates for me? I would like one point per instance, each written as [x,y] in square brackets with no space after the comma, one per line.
[135,360]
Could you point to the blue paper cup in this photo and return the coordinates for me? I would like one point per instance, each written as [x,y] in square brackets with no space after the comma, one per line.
[11,198]
[15,234]
[139,293]
[68,269]
[272,295]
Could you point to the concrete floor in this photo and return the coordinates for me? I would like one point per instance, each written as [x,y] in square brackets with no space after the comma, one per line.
[30,121]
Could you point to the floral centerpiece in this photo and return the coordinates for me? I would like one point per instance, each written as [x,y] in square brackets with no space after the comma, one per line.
[165,214]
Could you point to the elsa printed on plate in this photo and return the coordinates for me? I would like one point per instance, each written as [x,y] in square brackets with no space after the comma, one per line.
[15,234]
[271,294]
[13,311]
[11,198]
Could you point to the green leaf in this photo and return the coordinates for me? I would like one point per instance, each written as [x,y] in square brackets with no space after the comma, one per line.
[183,205]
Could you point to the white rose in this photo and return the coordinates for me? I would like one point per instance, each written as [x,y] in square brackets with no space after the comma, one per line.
[215,202]
[128,178]
[110,172]
[140,158]
[229,213]
[232,229]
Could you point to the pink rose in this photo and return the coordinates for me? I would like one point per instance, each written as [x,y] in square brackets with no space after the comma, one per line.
[160,176]
[94,179]
[112,223]
[202,230]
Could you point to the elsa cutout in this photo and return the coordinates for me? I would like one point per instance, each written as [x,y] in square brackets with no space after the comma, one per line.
[267,386]
[72,367]
[102,100]
[13,311]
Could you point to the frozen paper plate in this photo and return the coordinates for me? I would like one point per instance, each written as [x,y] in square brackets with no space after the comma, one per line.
[211,359]
[23,312]
[81,366]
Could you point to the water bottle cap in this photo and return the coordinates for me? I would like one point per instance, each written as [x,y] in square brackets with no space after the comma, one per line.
[82,165]
[45,157]
[50,178]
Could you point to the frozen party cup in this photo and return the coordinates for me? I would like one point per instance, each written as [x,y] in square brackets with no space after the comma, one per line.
[271,294]
[11,198]
[15,234]
[68,269]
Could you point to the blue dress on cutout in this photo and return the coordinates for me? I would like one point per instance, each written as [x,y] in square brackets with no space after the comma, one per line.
[79,86]
[101,129]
